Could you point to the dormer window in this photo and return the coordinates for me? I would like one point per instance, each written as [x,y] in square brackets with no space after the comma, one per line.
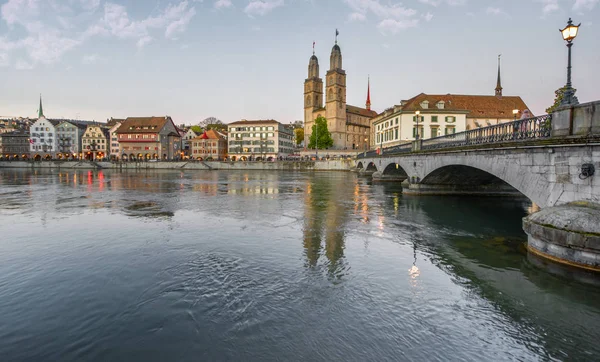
[425,104]
[440,104]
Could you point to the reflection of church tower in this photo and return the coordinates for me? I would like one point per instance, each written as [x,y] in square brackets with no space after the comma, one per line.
[313,94]
[336,97]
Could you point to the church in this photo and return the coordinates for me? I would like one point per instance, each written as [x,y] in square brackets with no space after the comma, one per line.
[349,125]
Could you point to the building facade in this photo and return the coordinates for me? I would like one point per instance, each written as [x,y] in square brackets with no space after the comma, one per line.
[14,145]
[348,125]
[44,143]
[211,145]
[95,142]
[188,136]
[70,136]
[146,138]
[113,125]
[259,140]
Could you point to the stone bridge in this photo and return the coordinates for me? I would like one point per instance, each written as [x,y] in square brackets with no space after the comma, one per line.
[553,160]
[548,175]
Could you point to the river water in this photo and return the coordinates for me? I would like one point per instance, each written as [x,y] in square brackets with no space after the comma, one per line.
[253,266]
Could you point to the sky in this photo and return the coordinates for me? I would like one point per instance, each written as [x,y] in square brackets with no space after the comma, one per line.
[247,59]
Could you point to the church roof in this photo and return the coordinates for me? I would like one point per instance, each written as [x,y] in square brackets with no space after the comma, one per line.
[477,106]
[360,111]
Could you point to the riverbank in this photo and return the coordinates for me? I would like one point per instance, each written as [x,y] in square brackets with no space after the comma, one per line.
[332,165]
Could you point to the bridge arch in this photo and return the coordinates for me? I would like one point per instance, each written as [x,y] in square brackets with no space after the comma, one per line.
[371,167]
[473,179]
[360,165]
[394,169]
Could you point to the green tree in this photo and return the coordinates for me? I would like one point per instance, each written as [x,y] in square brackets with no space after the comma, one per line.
[299,133]
[197,129]
[320,137]
[559,94]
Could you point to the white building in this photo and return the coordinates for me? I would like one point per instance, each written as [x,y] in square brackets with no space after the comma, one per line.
[43,139]
[441,114]
[113,125]
[259,140]
[185,141]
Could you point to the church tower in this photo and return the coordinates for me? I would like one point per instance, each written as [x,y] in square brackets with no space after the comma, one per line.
[498,82]
[335,103]
[313,95]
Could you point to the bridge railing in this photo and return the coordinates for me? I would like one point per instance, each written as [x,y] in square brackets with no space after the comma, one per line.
[402,148]
[525,129]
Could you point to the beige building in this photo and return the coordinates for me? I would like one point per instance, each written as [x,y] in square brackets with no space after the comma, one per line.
[95,142]
[210,145]
[348,125]
[145,138]
[259,140]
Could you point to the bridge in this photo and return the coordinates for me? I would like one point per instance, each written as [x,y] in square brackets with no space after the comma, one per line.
[552,159]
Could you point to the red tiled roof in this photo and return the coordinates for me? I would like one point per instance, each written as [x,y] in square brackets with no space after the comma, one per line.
[210,134]
[243,122]
[477,106]
[142,125]
[360,111]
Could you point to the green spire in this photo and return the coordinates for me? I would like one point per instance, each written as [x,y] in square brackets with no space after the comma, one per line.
[40,111]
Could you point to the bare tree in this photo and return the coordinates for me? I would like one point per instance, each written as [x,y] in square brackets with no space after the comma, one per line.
[209,121]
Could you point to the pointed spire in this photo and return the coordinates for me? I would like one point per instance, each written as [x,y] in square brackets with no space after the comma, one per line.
[499,83]
[369,93]
[336,35]
[41,110]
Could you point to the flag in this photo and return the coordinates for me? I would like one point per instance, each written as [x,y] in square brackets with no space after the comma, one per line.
[31,141]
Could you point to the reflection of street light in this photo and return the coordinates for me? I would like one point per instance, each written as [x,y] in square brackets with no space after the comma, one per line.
[417,113]
[515,112]
[569,33]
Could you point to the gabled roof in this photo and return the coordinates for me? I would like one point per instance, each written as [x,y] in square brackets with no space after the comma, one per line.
[477,106]
[113,121]
[210,134]
[143,124]
[360,111]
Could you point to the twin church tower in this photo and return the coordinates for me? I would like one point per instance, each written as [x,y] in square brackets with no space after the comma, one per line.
[349,125]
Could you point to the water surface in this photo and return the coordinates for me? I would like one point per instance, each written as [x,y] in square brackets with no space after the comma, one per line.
[253,266]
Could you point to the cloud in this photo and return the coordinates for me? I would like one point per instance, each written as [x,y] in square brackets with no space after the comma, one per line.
[89,59]
[428,16]
[393,17]
[262,7]
[581,5]
[435,3]
[495,11]
[394,26]
[549,6]
[357,17]
[44,30]
[223,4]
[23,65]
[4,60]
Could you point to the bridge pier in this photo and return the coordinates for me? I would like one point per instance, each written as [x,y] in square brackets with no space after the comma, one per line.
[567,234]
[458,189]
[381,177]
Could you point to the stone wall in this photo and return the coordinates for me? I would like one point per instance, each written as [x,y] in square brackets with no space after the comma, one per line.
[580,120]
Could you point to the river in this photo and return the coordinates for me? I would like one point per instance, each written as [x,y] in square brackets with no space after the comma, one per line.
[273,266]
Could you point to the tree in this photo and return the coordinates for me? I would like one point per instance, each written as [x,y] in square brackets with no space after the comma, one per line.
[209,121]
[298,124]
[559,95]
[299,133]
[196,129]
[320,137]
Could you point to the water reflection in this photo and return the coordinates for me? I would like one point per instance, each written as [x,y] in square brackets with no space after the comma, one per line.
[247,255]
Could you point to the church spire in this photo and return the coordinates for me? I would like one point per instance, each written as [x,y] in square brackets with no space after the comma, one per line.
[41,110]
[498,82]
[368,104]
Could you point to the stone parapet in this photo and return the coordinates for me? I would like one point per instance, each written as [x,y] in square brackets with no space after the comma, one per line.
[579,120]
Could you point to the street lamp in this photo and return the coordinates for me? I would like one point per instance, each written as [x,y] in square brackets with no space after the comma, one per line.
[515,112]
[366,140]
[569,33]
[417,113]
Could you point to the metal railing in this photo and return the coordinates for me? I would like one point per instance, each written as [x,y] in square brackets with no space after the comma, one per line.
[516,131]
[525,129]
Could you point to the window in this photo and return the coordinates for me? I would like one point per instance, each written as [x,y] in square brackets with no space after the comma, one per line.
[440,104]
[434,132]
[421,119]
[434,119]
[396,132]
[396,120]
[450,119]
[450,130]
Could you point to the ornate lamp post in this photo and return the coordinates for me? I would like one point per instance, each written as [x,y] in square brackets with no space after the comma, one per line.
[417,113]
[569,33]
